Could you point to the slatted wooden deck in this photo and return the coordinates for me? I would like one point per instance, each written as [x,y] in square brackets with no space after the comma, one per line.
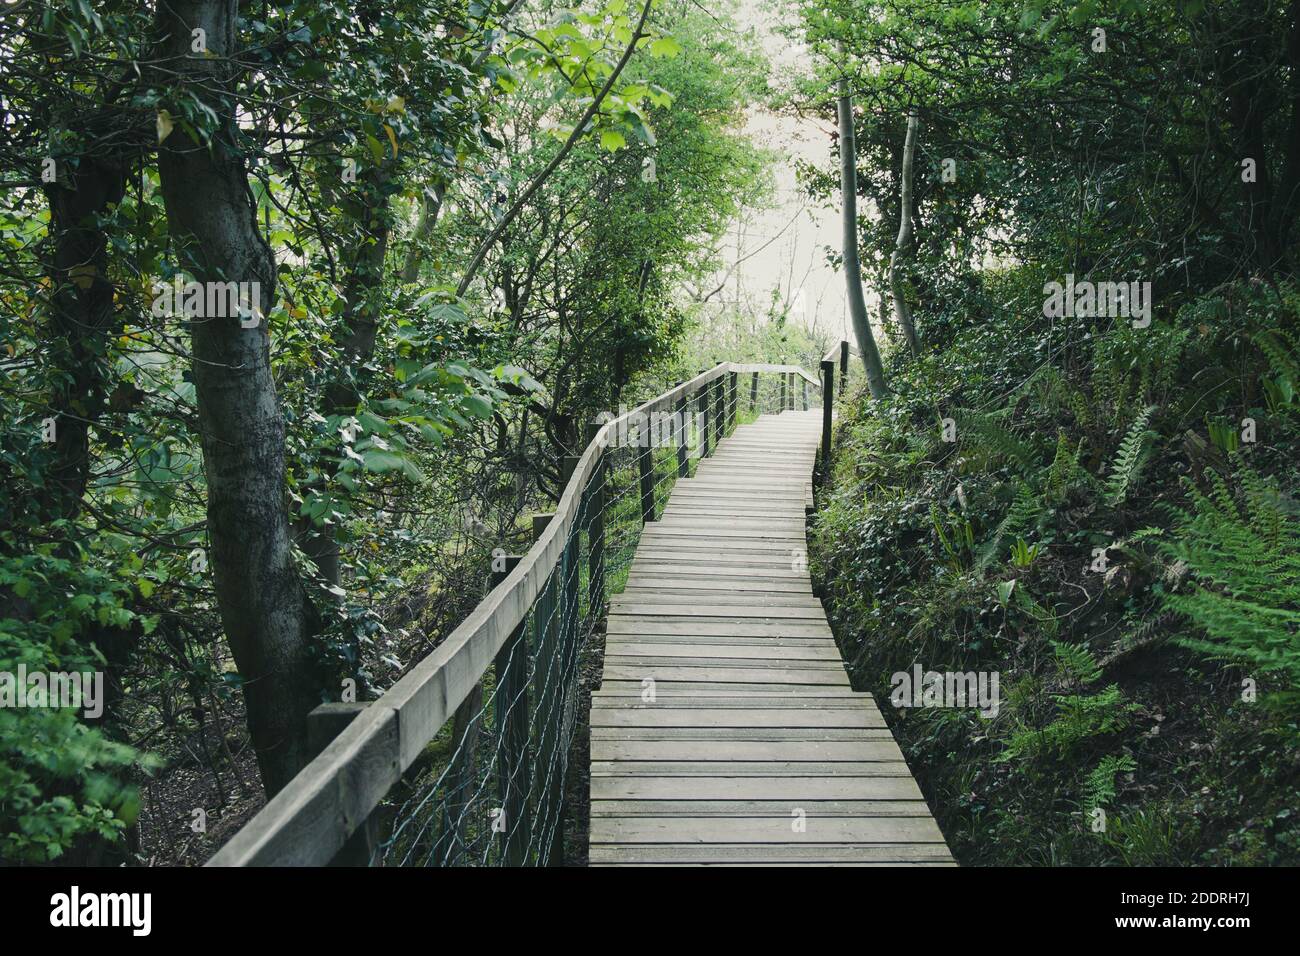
[753,720]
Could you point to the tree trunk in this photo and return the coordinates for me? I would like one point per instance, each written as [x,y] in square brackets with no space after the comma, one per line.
[430,207]
[902,313]
[212,219]
[852,268]
[81,318]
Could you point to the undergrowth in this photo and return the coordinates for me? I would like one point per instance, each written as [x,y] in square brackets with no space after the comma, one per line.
[1113,530]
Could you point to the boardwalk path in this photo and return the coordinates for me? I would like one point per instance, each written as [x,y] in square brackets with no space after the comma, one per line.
[753,726]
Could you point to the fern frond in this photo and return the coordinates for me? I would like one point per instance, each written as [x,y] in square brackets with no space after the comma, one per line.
[1099,786]
[994,438]
[1132,455]
[1075,663]
[1245,566]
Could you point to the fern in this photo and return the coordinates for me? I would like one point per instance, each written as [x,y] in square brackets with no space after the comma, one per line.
[1075,663]
[1099,786]
[995,439]
[1279,353]
[1244,561]
[1021,519]
[1132,455]
[1080,718]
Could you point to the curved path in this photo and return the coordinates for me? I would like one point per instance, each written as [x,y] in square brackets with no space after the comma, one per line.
[725,730]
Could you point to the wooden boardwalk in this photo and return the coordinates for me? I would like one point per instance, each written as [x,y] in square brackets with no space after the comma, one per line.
[754,750]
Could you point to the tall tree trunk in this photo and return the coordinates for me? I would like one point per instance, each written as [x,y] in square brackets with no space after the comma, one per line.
[430,207]
[902,312]
[852,267]
[81,318]
[212,219]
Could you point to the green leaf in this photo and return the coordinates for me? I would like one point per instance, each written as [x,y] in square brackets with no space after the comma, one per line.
[665,47]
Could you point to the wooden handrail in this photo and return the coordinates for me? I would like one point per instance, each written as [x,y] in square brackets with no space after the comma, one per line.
[309,821]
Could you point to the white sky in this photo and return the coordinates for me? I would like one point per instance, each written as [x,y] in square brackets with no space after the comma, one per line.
[786,245]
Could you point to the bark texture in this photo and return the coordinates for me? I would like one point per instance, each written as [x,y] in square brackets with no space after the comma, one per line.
[902,311]
[852,267]
[212,219]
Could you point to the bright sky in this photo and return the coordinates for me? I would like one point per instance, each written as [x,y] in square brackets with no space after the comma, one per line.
[785,247]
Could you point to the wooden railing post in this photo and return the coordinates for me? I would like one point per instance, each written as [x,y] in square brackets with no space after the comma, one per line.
[547,784]
[720,408]
[645,464]
[572,552]
[703,399]
[844,364]
[511,709]
[731,400]
[569,644]
[596,530]
[682,427]
[828,405]
[325,723]
[803,400]
[753,392]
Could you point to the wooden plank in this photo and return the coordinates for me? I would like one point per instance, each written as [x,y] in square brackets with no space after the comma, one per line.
[623,606]
[755,587]
[628,669]
[757,808]
[771,854]
[667,597]
[753,787]
[721,640]
[765,650]
[792,751]
[740,733]
[668,689]
[717,627]
[729,718]
[764,830]
[809,769]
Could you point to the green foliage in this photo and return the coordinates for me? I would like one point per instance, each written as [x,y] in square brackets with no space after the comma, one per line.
[1129,459]
[62,779]
[1080,718]
[1099,785]
[1075,663]
[1242,552]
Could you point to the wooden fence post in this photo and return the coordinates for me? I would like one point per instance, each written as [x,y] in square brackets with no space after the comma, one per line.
[720,408]
[703,400]
[596,530]
[325,723]
[753,392]
[547,784]
[732,401]
[645,464]
[828,404]
[569,645]
[511,710]
[783,384]
[682,426]
[844,364]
